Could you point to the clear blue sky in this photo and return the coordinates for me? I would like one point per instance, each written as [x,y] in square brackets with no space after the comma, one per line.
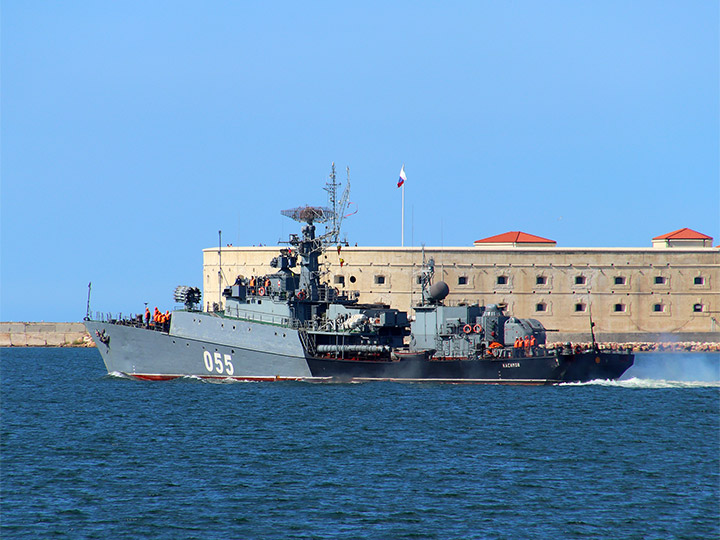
[133,131]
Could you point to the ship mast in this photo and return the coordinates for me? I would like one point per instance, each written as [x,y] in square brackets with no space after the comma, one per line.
[219,269]
[309,247]
[336,206]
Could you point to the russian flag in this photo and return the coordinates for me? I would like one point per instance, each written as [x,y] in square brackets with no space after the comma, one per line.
[402,178]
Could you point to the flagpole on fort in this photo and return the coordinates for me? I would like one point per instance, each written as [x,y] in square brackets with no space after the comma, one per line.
[401,184]
[402,219]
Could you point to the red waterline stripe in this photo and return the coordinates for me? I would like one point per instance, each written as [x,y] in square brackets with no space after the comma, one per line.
[153,377]
[519,382]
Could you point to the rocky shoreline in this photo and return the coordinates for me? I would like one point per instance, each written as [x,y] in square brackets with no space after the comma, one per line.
[665,346]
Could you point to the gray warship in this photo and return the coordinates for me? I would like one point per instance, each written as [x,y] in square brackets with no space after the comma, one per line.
[289,325]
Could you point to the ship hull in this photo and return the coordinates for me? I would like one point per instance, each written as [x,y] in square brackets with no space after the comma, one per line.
[254,351]
[270,354]
[540,369]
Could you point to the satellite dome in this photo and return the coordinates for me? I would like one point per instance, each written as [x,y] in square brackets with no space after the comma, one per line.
[439,291]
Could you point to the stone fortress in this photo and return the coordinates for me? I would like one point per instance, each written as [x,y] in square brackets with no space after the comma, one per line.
[667,292]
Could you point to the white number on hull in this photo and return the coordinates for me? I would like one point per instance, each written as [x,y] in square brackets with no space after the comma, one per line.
[208,361]
[229,369]
[220,363]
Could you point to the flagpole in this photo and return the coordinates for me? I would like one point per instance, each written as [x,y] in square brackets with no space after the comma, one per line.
[401,184]
[402,218]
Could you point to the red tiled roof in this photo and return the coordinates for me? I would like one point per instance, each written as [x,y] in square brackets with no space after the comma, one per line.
[515,237]
[683,234]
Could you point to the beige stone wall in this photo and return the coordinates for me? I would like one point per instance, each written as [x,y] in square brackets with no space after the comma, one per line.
[33,334]
[635,303]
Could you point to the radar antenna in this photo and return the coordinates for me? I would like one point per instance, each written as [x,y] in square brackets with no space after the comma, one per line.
[332,214]
[308,246]
[309,214]
[426,276]
[338,207]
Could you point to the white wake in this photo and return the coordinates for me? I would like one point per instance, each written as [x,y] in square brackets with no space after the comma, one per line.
[635,382]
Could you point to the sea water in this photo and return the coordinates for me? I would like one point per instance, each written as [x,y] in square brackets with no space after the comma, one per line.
[85,454]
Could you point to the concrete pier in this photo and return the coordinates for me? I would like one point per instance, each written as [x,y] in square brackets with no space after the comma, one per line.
[42,334]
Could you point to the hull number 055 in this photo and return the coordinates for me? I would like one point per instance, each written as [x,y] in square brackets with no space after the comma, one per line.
[219,363]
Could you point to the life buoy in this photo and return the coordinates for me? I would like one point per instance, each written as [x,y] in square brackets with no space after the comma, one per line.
[477,329]
[301,295]
[467,329]
[261,291]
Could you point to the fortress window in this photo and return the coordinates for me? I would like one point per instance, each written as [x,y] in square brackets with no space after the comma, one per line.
[540,280]
[660,280]
[658,308]
[579,308]
[697,308]
[699,281]
[619,308]
[462,280]
[379,280]
[340,280]
[540,307]
[502,280]
[418,280]
[579,280]
[619,280]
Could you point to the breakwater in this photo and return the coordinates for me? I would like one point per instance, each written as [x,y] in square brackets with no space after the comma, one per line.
[42,334]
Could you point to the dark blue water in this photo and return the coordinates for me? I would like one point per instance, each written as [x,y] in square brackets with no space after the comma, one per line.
[87,455]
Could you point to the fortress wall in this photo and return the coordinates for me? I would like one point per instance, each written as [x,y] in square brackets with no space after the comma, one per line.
[34,334]
[685,302]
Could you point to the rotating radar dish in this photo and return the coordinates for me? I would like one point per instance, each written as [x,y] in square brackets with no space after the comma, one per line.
[309,214]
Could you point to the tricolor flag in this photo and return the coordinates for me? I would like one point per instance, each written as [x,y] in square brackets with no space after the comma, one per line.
[402,178]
